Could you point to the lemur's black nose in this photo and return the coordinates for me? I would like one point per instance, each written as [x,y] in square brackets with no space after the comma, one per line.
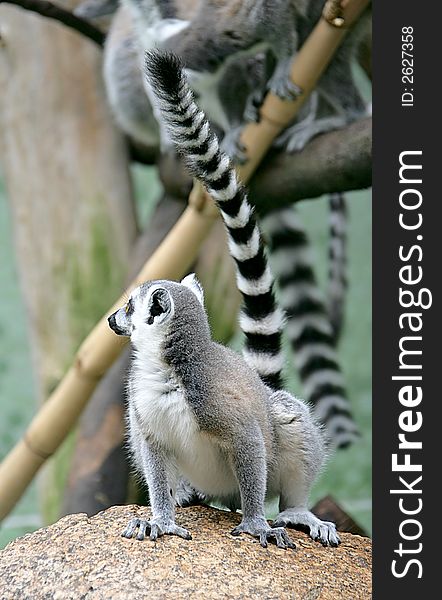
[113,325]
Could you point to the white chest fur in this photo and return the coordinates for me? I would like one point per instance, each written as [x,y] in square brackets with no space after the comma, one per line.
[159,401]
[164,414]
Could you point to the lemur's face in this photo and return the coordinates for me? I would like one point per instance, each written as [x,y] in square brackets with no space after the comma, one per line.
[207,41]
[150,308]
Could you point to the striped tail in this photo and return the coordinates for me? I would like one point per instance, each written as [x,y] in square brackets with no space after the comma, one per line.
[308,327]
[261,319]
[337,274]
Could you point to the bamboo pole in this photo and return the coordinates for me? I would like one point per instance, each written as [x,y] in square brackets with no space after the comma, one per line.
[170,261]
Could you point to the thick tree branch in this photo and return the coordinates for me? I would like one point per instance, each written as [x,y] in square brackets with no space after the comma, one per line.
[333,162]
[52,11]
[338,161]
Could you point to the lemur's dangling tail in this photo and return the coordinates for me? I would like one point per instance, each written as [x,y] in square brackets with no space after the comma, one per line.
[337,274]
[260,319]
[308,327]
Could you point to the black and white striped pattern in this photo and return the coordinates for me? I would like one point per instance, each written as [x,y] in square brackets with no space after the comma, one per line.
[308,326]
[337,274]
[260,318]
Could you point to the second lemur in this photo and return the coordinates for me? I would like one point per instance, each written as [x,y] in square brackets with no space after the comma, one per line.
[197,410]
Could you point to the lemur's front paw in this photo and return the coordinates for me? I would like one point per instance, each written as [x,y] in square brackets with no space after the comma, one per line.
[154,529]
[159,527]
[136,524]
[260,528]
[285,89]
[321,531]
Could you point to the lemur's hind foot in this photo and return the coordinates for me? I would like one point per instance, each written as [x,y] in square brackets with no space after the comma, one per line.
[295,138]
[259,528]
[154,529]
[321,531]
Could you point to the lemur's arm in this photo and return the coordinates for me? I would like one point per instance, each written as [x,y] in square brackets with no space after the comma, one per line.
[284,42]
[156,471]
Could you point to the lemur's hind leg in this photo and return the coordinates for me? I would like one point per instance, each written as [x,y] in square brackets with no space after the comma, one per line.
[294,512]
[301,455]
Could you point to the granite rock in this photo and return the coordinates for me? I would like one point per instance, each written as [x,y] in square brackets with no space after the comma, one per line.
[82,557]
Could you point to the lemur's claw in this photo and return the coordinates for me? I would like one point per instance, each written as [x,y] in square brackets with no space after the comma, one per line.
[286,89]
[154,529]
[133,525]
[320,531]
[142,530]
[265,533]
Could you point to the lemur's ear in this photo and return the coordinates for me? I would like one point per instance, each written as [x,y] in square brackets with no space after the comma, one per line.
[191,282]
[160,303]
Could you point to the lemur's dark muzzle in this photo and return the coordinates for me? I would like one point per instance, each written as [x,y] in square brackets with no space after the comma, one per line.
[113,325]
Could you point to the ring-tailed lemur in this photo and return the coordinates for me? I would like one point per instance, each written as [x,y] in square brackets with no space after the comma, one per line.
[143,25]
[197,409]
[138,26]
[222,31]
[213,37]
